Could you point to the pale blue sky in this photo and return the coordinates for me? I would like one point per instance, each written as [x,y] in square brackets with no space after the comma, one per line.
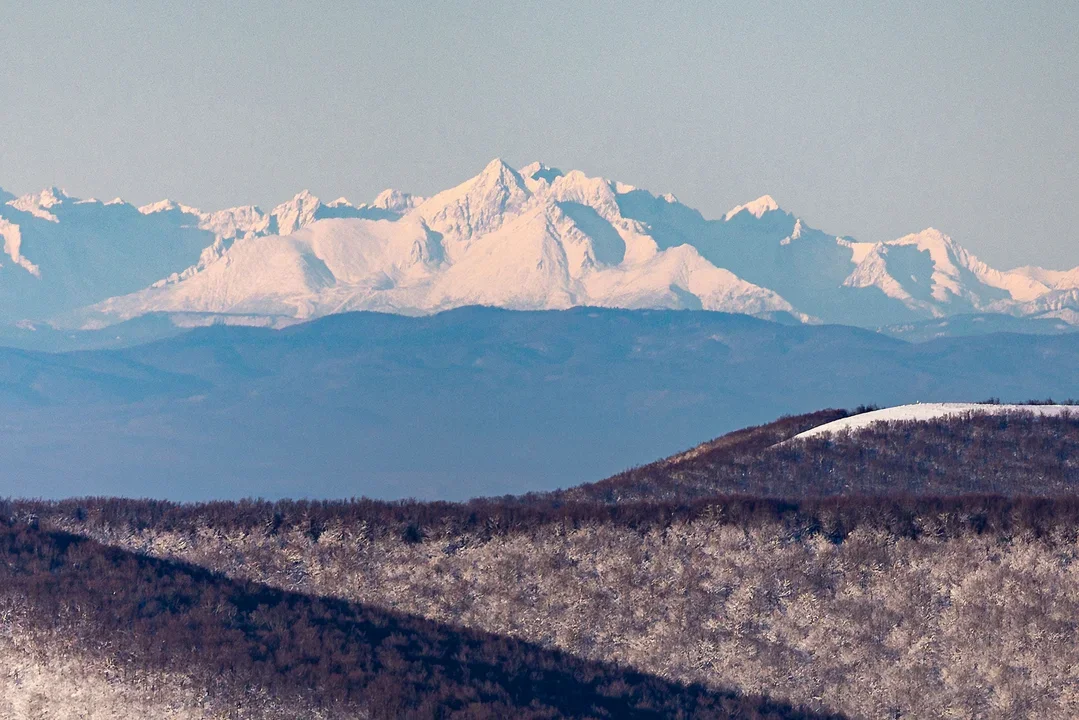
[873,123]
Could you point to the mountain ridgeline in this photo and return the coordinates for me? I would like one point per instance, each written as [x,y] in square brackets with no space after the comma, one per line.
[470,402]
[527,239]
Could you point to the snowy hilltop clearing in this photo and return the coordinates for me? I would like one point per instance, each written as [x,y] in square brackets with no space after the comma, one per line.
[532,238]
[922,412]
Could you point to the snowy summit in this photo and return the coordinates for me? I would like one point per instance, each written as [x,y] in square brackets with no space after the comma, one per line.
[530,238]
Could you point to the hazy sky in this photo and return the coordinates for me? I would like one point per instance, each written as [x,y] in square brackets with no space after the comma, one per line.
[872,123]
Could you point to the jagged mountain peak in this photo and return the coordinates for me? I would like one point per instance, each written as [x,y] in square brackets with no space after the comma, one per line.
[304,197]
[395,201]
[167,205]
[534,237]
[50,197]
[478,206]
[290,216]
[499,177]
[929,235]
[577,180]
[757,208]
[40,204]
[1055,279]
[500,174]
[540,172]
[931,273]
[945,252]
[46,198]
[498,166]
[597,193]
[496,177]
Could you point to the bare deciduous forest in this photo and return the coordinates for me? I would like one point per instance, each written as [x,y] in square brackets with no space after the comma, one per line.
[1011,454]
[906,571]
[265,652]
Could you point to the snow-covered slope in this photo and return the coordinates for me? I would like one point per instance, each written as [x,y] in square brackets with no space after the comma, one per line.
[330,266]
[931,273]
[60,253]
[529,238]
[538,259]
[921,412]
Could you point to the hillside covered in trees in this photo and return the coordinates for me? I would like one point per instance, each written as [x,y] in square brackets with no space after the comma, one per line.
[151,629]
[905,570]
[1012,454]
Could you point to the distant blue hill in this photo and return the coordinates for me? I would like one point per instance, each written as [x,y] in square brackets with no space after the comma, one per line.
[976,324]
[468,402]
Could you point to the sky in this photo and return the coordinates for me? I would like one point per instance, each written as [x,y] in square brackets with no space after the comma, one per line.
[866,122]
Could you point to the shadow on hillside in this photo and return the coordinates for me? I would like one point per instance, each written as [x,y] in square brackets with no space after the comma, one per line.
[230,636]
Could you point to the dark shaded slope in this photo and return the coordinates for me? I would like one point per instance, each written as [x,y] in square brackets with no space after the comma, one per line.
[875,607]
[306,653]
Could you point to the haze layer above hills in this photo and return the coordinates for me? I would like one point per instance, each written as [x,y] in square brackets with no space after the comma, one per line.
[469,402]
[529,238]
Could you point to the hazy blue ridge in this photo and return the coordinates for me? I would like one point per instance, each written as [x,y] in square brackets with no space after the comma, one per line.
[467,402]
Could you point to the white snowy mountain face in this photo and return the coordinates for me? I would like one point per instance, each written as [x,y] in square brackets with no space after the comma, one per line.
[534,238]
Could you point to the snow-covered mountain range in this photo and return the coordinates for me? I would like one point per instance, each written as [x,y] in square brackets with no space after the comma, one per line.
[528,238]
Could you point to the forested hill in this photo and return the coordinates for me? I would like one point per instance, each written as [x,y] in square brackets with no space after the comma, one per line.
[904,570]
[169,638]
[1013,453]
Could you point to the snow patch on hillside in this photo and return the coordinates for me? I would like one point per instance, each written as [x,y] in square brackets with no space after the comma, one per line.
[923,412]
[12,236]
